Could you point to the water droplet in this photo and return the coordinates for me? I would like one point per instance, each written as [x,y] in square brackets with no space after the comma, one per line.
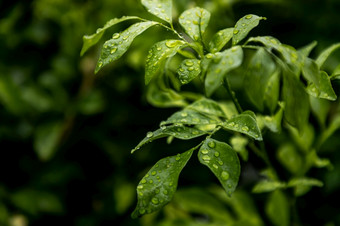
[196,120]
[181,17]
[190,68]
[195,132]
[179,129]
[154,201]
[178,157]
[125,37]
[165,192]
[157,191]
[231,123]
[195,22]
[245,128]
[220,163]
[163,127]
[184,114]
[235,32]
[153,173]
[149,134]
[229,186]
[147,175]
[141,211]
[140,187]
[100,64]
[234,49]
[257,136]
[171,183]
[189,63]
[205,151]
[225,175]
[211,144]
[159,48]
[206,158]
[140,194]
[116,35]
[216,154]
[113,50]
[249,17]
[215,166]
[150,181]
[143,181]
[209,56]
[243,25]
[170,44]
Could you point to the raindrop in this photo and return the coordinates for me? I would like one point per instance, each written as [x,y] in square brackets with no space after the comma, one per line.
[195,22]
[157,191]
[249,17]
[209,56]
[178,157]
[170,44]
[189,63]
[215,166]
[196,120]
[141,211]
[234,49]
[149,134]
[143,181]
[184,114]
[206,158]
[113,50]
[195,132]
[163,127]
[220,163]
[235,31]
[245,128]
[165,192]
[147,175]
[140,187]
[159,48]
[216,154]
[225,175]
[150,181]
[211,144]
[190,68]
[171,183]
[231,123]
[154,201]
[153,173]
[116,35]
[205,151]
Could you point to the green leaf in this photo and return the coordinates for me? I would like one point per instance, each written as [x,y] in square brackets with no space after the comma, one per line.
[158,186]
[158,55]
[260,69]
[239,144]
[273,123]
[114,48]
[268,186]
[195,21]
[319,82]
[222,160]
[164,98]
[91,40]
[320,108]
[189,69]
[190,117]
[160,8]
[220,39]
[303,185]
[290,158]
[326,53]
[220,65]
[278,209]
[272,91]
[244,26]
[244,123]
[296,101]
[208,107]
[46,140]
[305,51]
[304,138]
[177,131]
[333,126]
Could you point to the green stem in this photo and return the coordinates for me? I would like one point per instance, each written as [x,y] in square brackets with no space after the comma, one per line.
[232,95]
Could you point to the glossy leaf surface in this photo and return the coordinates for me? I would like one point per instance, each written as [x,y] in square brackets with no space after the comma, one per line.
[244,26]
[222,160]
[195,21]
[207,106]
[220,39]
[160,8]
[188,70]
[190,117]
[326,53]
[158,186]
[91,40]
[158,55]
[114,48]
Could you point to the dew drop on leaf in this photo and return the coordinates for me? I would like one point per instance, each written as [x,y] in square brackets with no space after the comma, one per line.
[249,17]
[206,158]
[235,31]
[149,134]
[205,151]
[245,128]
[217,154]
[115,36]
[113,50]
[211,144]
[225,175]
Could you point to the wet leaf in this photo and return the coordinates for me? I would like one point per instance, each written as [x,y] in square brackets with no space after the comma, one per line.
[220,39]
[267,186]
[190,117]
[160,8]
[158,186]
[296,101]
[114,48]
[220,65]
[189,69]
[320,108]
[272,91]
[195,21]
[244,26]
[222,160]
[326,53]
[91,40]
[260,69]
[278,209]
[158,55]
[208,107]
[244,123]
[177,131]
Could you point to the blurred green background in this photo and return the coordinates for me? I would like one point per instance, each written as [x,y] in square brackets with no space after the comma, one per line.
[66,134]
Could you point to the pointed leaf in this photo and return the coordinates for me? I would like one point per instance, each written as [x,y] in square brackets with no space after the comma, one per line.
[296,101]
[91,40]
[208,107]
[303,185]
[267,186]
[305,51]
[158,186]
[273,123]
[244,123]
[158,55]
[160,8]
[222,160]
[244,26]
[190,117]
[177,131]
[195,21]
[189,69]
[320,108]
[326,53]
[290,158]
[114,48]
[272,92]
[220,39]
[221,64]
[260,69]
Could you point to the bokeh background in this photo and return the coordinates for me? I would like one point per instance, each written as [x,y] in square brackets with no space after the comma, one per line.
[66,134]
